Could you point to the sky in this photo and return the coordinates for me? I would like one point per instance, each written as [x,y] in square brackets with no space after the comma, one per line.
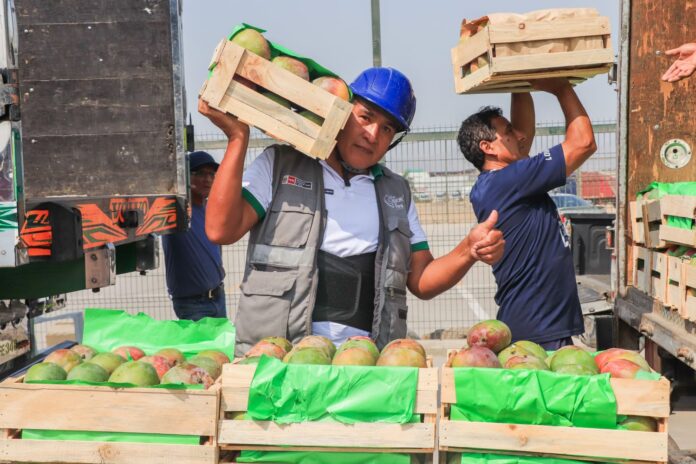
[417,37]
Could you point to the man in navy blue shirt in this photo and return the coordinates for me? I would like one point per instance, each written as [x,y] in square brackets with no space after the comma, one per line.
[537,292]
[193,263]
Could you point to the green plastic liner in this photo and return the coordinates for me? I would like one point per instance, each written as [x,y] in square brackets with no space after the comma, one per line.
[288,393]
[106,329]
[311,457]
[534,397]
[657,190]
[479,458]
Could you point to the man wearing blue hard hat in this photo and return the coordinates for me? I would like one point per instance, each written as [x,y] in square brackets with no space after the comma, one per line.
[193,263]
[334,243]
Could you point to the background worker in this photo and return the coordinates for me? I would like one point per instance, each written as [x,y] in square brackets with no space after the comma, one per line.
[334,243]
[193,263]
[537,291]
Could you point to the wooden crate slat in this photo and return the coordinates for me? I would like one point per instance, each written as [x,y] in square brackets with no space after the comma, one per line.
[227,60]
[652,219]
[569,441]
[324,434]
[286,84]
[510,64]
[641,268]
[658,275]
[683,206]
[637,229]
[545,30]
[688,306]
[641,397]
[267,123]
[469,50]
[67,407]
[633,397]
[82,452]
[472,80]
[258,102]
[337,118]
[675,282]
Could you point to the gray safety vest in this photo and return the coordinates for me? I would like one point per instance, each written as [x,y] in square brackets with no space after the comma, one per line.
[280,277]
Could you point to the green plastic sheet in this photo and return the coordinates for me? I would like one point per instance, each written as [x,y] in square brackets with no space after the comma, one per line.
[485,458]
[288,393]
[657,190]
[311,457]
[534,397]
[106,329]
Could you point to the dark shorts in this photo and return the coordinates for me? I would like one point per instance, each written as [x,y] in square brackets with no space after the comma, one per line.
[197,307]
[554,345]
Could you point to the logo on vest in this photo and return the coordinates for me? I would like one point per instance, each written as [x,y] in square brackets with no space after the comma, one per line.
[297,182]
[393,201]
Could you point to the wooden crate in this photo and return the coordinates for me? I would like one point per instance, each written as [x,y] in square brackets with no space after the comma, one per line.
[658,276]
[415,438]
[680,206]
[641,265]
[224,93]
[106,409]
[634,397]
[503,70]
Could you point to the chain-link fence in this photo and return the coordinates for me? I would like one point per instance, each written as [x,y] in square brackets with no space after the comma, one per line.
[441,180]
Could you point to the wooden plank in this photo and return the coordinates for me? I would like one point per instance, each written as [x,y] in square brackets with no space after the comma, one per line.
[641,269]
[546,61]
[481,75]
[668,234]
[81,452]
[652,219]
[675,282]
[633,397]
[526,31]
[268,124]
[688,307]
[467,51]
[236,380]
[637,229]
[658,276]
[641,397]
[69,407]
[228,59]
[324,434]
[335,121]
[240,92]
[335,449]
[285,84]
[570,441]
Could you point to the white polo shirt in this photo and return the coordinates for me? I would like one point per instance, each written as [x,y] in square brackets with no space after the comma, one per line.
[352,225]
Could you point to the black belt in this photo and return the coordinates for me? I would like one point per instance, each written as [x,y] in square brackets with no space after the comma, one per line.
[346,290]
[208,294]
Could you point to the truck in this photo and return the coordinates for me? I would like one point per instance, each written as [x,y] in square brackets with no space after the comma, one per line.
[92,151]
[656,136]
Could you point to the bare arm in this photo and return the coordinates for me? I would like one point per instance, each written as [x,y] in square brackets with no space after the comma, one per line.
[579,143]
[523,119]
[228,216]
[429,276]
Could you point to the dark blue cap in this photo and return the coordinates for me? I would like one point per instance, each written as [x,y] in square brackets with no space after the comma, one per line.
[201,158]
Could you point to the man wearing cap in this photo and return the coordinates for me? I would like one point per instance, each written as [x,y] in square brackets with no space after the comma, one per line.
[193,263]
[335,243]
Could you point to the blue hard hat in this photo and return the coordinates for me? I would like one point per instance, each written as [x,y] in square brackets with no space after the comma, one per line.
[390,90]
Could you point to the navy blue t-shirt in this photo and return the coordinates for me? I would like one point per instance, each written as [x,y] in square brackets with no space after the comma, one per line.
[193,263]
[537,292]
